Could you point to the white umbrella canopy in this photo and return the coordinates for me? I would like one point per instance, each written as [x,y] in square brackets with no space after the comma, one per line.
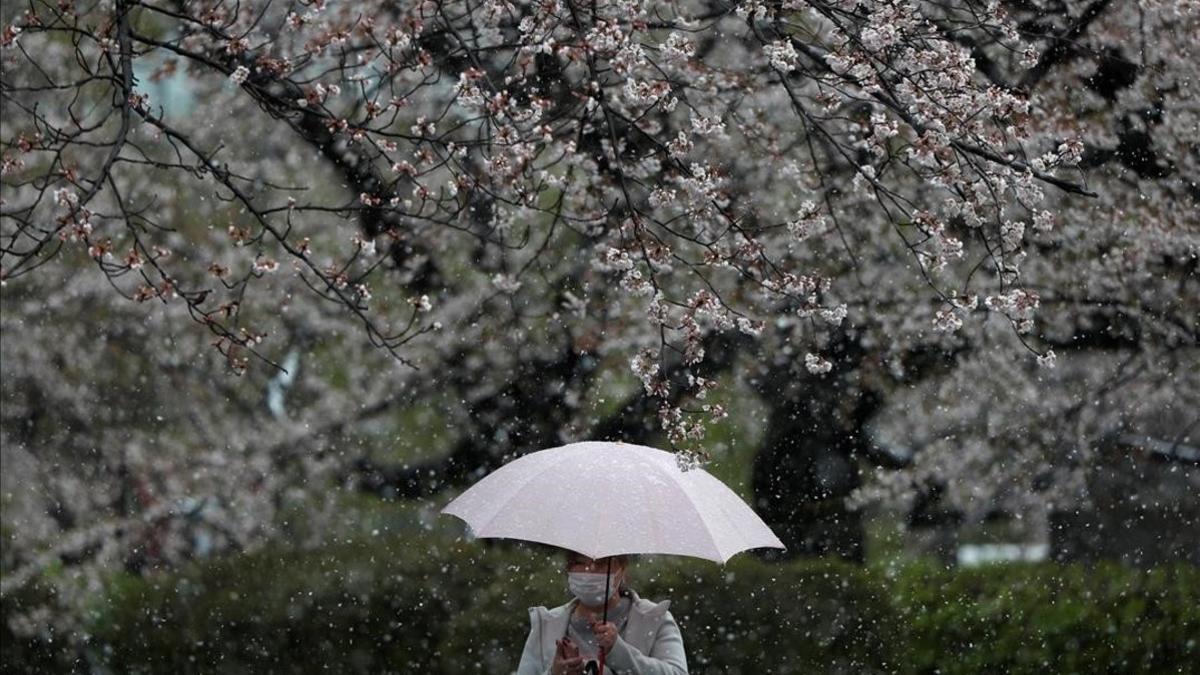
[602,499]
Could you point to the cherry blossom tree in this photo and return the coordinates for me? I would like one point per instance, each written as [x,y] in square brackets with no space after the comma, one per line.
[892,218]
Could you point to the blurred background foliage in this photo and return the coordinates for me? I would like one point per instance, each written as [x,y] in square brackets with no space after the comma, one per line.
[398,588]
[426,601]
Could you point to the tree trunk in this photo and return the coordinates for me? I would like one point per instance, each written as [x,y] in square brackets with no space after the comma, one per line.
[802,476]
[808,462]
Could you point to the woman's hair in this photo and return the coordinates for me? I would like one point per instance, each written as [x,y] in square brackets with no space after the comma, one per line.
[625,560]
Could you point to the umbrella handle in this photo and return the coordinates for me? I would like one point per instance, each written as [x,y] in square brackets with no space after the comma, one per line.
[607,577]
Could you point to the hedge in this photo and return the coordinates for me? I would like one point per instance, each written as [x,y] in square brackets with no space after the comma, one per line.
[748,617]
[1046,618]
[458,609]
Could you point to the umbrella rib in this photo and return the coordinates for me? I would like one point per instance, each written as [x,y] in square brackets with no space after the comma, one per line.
[516,493]
[723,508]
[699,516]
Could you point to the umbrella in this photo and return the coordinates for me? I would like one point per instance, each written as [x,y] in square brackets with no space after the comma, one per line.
[603,499]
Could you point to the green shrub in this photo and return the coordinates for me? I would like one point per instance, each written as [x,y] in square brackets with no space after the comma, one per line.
[405,606]
[348,608]
[794,618]
[1049,618]
[489,636]
[801,617]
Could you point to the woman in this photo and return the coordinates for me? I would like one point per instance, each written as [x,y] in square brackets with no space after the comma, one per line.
[639,638]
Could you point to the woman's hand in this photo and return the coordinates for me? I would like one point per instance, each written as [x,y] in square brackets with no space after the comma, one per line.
[606,635]
[567,660]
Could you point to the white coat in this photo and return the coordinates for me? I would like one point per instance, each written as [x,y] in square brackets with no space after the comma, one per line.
[649,645]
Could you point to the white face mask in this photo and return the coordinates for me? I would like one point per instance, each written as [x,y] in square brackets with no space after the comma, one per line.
[589,586]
